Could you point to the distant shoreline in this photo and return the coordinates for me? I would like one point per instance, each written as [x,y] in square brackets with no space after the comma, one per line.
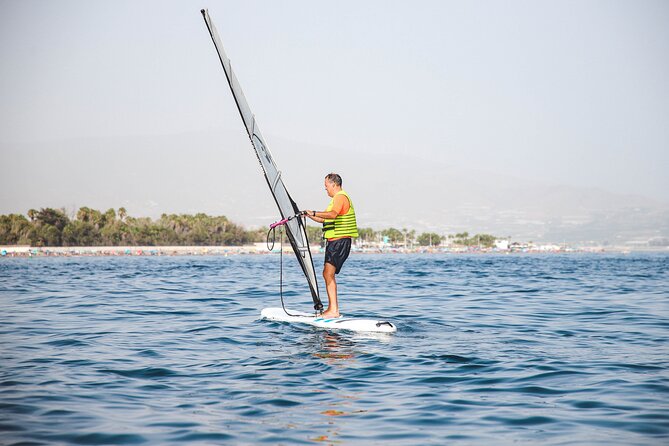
[261,249]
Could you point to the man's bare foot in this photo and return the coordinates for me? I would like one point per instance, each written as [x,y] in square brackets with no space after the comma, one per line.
[330,314]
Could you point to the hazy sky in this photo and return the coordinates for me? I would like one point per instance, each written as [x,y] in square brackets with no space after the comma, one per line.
[566,92]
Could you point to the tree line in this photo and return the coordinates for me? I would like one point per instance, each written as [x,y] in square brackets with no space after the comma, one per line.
[409,238]
[91,227]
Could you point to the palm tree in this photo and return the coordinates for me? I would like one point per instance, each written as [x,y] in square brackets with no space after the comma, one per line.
[84,214]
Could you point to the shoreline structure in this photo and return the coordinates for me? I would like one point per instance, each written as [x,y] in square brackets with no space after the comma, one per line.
[261,248]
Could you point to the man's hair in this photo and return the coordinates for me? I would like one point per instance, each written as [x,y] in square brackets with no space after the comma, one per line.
[334,178]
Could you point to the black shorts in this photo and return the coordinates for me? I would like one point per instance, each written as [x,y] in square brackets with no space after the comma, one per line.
[337,251]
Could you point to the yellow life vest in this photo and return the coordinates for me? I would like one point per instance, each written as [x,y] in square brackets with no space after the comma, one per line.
[343,225]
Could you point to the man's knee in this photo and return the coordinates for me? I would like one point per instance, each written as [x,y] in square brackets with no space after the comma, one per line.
[329,272]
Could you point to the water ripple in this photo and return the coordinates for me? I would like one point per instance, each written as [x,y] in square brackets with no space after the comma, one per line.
[559,349]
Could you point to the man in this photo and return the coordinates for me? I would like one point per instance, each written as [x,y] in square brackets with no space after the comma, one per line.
[339,226]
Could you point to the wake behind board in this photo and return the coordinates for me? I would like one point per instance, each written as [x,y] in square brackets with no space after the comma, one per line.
[340,323]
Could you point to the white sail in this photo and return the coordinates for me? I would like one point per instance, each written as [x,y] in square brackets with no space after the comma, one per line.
[295,228]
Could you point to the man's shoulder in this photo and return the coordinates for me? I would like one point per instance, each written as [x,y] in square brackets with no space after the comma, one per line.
[341,198]
[341,203]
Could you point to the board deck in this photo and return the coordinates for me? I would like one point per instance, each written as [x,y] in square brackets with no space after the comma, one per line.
[340,323]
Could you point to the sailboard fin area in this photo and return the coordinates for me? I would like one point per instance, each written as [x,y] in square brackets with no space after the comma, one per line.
[340,323]
[296,227]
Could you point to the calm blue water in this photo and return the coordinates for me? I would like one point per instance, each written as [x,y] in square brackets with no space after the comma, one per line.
[555,349]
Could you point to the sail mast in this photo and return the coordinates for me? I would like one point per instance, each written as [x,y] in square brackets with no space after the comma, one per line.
[295,228]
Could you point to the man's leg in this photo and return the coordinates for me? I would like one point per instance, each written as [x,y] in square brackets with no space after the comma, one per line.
[331,286]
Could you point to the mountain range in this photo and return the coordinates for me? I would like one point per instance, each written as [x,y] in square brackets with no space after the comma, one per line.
[217,173]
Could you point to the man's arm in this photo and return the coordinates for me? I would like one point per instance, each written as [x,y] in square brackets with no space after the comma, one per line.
[320,216]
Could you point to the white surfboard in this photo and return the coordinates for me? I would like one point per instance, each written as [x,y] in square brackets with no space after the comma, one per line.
[340,323]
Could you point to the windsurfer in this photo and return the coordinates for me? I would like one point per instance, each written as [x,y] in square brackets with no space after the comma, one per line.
[339,227]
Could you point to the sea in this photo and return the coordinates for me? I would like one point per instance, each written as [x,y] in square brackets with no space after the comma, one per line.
[550,349]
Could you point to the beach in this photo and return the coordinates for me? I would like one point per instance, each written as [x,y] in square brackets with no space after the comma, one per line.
[261,248]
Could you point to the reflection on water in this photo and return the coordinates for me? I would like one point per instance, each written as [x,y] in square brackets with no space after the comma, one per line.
[336,348]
